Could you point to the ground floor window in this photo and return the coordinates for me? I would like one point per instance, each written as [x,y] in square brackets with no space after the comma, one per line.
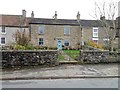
[41,41]
[95,40]
[3,40]
[66,43]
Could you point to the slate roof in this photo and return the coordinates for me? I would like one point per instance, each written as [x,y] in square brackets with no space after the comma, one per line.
[85,23]
[53,21]
[13,20]
[17,20]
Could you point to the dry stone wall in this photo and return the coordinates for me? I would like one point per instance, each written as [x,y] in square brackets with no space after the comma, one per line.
[95,56]
[28,58]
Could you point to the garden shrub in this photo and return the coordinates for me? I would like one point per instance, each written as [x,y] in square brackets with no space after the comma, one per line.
[29,47]
[18,47]
[95,45]
[21,38]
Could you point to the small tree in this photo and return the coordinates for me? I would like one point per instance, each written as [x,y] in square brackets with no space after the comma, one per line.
[21,38]
[108,10]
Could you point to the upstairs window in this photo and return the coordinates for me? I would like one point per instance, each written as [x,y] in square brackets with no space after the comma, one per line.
[3,30]
[41,41]
[66,30]
[41,30]
[95,32]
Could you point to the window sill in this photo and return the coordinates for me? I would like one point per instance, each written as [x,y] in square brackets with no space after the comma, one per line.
[95,37]
[41,45]
[3,33]
[2,44]
[41,34]
[66,34]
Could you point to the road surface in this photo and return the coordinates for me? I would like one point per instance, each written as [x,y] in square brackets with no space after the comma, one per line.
[63,83]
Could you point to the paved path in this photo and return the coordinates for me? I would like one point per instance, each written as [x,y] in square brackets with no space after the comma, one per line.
[65,71]
[66,57]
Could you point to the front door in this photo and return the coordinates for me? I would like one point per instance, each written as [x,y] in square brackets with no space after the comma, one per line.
[59,44]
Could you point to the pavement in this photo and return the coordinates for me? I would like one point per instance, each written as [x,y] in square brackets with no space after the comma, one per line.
[62,72]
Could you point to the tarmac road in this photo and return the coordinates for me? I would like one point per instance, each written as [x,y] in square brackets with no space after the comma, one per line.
[65,71]
[63,83]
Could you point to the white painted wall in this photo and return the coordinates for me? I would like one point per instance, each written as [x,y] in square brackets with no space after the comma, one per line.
[119,8]
[9,35]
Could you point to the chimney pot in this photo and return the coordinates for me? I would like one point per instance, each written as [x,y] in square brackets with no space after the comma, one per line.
[78,16]
[102,17]
[24,13]
[32,14]
[55,16]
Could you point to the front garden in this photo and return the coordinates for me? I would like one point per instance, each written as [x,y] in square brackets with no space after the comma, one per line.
[72,53]
[23,53]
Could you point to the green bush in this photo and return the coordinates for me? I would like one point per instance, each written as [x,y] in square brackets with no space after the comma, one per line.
[29,47]
[41,47]
[18,47]
[53,48]
[95,45]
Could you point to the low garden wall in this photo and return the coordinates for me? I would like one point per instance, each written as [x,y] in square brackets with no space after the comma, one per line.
[28,58]
[95,56]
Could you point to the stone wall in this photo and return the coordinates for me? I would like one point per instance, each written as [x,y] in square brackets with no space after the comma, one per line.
[94,56]
[28,58]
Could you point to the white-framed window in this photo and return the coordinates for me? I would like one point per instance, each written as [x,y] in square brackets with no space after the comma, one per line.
[106,40]
[41,29]
[41,41]
[95,40]
[3,40]
[95,31]
[66,30]
[66,43]
[3,31]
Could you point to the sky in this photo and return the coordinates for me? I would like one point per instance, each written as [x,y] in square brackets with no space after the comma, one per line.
[66,9]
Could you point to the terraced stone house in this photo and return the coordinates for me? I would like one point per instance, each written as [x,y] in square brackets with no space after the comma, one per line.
[9,25]
[72,33]
[60,33]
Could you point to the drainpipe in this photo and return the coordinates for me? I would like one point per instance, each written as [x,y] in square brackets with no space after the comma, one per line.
[78,20]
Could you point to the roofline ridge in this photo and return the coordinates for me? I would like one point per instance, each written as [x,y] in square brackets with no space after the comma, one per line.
[10,15]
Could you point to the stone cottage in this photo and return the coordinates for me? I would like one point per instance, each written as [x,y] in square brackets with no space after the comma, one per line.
[10,24]
[72,33]
[60,33]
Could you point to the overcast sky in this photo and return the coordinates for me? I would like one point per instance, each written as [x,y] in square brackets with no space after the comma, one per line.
[66,9]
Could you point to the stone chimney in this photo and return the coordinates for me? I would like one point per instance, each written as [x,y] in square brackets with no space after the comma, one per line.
[32,14]
[24,13]
[78,16]
[55,16]
[102,17]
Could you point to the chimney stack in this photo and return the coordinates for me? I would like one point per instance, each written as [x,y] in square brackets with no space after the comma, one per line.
[102,17]
[32,14]
[78,16]
[55,16]
[24,13]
